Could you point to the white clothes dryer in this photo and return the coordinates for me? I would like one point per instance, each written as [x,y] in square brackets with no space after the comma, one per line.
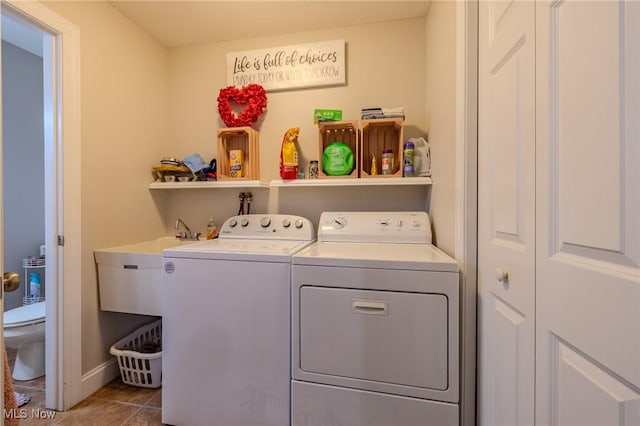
[226,323]
[375,324]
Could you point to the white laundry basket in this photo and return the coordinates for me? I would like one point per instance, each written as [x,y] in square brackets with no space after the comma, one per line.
[138,368]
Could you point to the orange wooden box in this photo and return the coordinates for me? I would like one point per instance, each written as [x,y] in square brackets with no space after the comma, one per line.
[339,131]
[244,139]
[376,136]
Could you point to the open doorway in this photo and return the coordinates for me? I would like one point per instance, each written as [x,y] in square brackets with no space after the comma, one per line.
[34,32]
[25,173]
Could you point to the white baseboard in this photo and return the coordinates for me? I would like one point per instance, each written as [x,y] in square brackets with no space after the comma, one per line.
[99,376]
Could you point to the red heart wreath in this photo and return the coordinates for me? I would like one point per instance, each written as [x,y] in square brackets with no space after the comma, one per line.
[252,94]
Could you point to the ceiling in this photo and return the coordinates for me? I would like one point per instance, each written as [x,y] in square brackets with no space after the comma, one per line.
[185,22]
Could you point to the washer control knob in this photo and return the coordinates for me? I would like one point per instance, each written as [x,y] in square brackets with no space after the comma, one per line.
[298,223]
[244,222]
[265,222]
[286,223]
[384,222]
[399,223]
[233,223]
[339,222]
[415,223]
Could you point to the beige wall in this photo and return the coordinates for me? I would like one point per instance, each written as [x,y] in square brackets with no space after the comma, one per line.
[385,67]
[124,110]
[441,108]
[141,102]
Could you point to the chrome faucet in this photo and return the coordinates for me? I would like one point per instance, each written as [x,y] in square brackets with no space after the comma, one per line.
[186,235]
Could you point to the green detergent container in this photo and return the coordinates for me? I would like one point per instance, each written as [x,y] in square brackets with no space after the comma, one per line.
[337,159]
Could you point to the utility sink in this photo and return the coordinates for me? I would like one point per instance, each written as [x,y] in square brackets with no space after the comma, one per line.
[130,276]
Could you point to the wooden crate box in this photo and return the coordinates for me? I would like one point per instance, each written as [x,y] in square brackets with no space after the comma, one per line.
[245,141]
[378,135]
[339,131]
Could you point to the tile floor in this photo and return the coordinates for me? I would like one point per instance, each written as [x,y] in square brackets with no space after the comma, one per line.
[115,404]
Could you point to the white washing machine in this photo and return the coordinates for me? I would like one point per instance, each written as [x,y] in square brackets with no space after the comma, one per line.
[375,324]
[226,324]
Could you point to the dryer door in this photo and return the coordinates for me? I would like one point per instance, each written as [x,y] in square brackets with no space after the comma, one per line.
[374,339]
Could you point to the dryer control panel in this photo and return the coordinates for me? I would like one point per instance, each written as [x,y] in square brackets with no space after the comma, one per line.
[268,226]
[375,227]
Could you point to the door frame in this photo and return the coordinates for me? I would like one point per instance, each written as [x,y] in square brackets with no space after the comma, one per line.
[466,198]
[63,128]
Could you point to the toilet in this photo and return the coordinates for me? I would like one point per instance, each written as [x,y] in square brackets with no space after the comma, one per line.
[24,331]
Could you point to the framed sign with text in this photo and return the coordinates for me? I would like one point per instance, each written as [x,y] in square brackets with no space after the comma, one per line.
[298,66]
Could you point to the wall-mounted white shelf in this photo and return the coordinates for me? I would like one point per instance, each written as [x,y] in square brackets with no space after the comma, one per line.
[392,181]
[209,184]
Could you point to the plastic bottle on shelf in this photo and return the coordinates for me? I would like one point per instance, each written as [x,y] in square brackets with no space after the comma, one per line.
[34,285]
[387,161]
[212,229]
[408,155]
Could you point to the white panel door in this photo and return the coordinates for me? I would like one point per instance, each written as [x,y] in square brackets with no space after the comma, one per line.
[506,213]
[588,213]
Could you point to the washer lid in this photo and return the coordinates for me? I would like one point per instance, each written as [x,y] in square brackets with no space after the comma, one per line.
[260,250]
[24,315]
[418,257]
